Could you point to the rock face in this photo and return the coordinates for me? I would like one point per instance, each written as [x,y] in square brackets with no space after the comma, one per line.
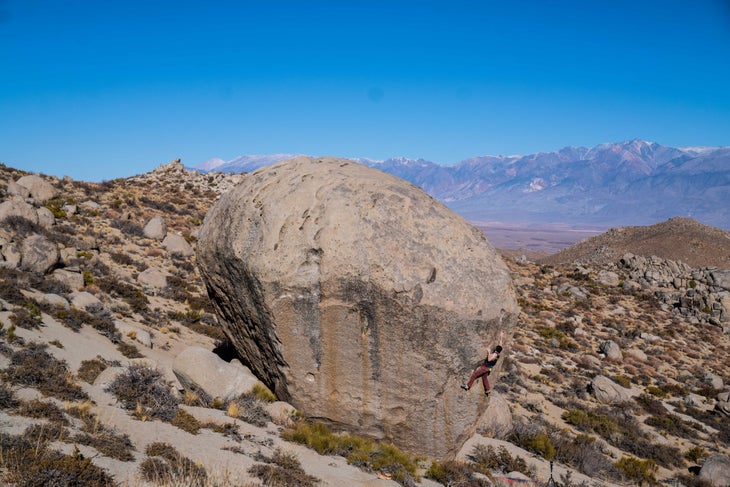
[716,470]
[358,298]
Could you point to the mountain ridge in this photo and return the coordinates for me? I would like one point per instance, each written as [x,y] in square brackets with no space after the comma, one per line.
[633,182]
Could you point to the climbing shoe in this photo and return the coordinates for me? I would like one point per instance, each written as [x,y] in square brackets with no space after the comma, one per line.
[486,393]
[465,387]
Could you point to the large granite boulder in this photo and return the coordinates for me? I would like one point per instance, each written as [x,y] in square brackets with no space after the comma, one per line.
[716,470]
[358,298]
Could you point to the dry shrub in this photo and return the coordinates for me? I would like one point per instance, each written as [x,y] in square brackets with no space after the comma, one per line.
[142,389]
[42,410]
[488,459]
[283,468]
[168,466]
[103,438]
[186,422]
[250,409]
[7,397]
[29,461]
[129,350]
[89,370]
[453,472]
[34,367]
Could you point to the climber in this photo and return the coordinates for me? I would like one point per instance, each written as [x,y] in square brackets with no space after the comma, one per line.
[486,367]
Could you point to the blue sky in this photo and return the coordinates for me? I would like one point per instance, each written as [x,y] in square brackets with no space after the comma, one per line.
[104,89]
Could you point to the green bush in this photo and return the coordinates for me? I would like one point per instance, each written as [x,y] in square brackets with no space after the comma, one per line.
[359,451]
[453,472]
[638,471]
[487,459]
[56,207]
[696,454]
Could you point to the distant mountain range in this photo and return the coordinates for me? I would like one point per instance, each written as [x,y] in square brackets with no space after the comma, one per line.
[615,184]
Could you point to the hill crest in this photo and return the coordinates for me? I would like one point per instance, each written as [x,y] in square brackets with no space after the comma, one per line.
[679,239]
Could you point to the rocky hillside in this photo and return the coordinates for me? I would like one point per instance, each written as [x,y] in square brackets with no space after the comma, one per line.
[617,370]
[679,239]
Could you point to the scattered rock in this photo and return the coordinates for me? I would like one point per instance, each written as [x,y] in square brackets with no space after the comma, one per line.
[45,217]
[176,244]
[607,391]
[38,254]
[496,421]
[611,350]
[156,228]
[200,370]
[84,300]
[152,277]
[135,333]
[714,380]
[74,280]
[16,207]
[636,354]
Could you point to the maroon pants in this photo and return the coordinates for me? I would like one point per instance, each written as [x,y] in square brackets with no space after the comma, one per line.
[481,371]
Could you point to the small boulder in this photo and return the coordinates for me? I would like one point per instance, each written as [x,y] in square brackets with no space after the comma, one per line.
[153,278]
[19,208]
[14,189]
[716,470]
[714,380]
[156,228]
[10,256]
[611,350]
[45,217]
[74,280]
[199,369]
[176,244]
[134,333]
[281,412]
[496,421]
[40,189]
[723,407]
[607,391]
[608,278]
[84,300]
[38,254]
[636,354]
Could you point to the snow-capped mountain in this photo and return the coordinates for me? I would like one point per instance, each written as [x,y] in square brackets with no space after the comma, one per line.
[628,183]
